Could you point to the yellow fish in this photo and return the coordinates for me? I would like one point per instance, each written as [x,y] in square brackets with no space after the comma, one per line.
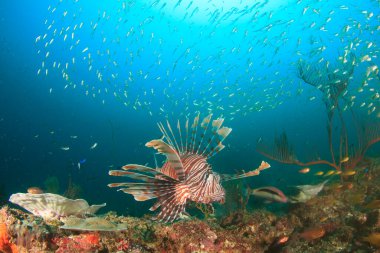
[329,173]
[348,173]
[373,239]
[374,204]
[319,173]
[356,199]
[345,159]
[336,186]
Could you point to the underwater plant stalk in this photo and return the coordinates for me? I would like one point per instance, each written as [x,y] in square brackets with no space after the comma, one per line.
[333,87]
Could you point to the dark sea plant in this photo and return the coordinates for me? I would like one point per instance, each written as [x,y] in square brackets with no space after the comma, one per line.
[345,152]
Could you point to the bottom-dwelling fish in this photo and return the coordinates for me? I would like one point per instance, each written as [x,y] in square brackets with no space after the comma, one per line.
[186,175]
[270,193]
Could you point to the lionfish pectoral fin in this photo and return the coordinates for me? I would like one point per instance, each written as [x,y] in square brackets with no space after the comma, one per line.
[264,165]
[154,183]
[172,204]
[171,156]
[171,193]
[170,209]
[140,172]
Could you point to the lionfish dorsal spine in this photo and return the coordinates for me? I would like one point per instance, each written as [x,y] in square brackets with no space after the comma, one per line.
[221,135]
[165,134]
[194,128]
[172,158]
[180,136]
[205,123]
[214,144]
[174,138]
[187,133]
[206,142]
[215,126]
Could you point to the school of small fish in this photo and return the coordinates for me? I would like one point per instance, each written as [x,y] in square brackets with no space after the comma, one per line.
[231,58]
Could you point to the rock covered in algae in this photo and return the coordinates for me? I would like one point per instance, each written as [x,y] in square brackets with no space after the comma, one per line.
[91,224]
[53,206]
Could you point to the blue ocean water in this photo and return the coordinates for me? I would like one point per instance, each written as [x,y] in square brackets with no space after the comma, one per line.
[152,60]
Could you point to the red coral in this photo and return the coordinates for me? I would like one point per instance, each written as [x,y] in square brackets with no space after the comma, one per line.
[5,245]
[78,243]
[122,245]
[3,236]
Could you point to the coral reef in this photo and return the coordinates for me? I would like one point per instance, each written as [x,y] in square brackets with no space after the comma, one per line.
[91,224]
[88,242]
[5,244]
[340,219]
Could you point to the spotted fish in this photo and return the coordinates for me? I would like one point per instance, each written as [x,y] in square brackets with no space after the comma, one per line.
[186,175]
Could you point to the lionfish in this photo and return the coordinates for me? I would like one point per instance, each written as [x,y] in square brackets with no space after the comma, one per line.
[186,175]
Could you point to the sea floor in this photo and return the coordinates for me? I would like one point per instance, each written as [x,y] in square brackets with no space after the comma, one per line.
[344,217]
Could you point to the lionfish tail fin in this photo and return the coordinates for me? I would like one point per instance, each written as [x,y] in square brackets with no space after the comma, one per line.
[264,165]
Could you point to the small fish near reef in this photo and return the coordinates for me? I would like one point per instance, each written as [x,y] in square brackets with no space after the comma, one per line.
[304,170]
[307,192]
[270,194]
[374,204]
[313,233]
[330,173]
[345,159]
[348,173]
[186,174]
[35,190]
[373,239]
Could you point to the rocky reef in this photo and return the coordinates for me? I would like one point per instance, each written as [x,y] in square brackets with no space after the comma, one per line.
[345,217]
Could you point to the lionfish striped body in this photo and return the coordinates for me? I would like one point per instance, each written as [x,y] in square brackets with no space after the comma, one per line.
[186,175]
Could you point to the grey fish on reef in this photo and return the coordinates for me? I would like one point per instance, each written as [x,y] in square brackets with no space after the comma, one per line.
[307,192]
[186,174]
[270,193]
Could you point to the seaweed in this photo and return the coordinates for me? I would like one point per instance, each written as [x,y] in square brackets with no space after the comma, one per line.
[333,83]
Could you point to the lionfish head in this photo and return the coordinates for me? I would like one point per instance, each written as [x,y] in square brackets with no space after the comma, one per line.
[214,191]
